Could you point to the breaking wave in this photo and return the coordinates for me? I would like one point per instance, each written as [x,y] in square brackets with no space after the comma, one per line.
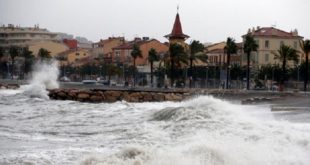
[45,75]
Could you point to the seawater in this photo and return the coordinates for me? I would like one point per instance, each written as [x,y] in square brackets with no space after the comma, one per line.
[202,131]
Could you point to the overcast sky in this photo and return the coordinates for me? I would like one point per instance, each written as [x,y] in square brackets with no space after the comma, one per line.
[203,20]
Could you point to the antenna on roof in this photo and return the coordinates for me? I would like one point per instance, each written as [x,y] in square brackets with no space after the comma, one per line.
[178,8]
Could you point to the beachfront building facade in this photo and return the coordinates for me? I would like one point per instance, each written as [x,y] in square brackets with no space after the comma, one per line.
[53,47]
[122,53]
[104,48]
[218,57]
[21,36]
[72,56]
[269,40]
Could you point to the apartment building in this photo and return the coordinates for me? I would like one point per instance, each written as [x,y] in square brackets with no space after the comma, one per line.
[269,39]
[21,36]
[105,47]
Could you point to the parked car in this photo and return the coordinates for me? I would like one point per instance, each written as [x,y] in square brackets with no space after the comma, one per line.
[89,81]
[104,82]
[64,79]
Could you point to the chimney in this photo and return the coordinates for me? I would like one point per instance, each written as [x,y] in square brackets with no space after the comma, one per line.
[253,30]
[249,30]
[295,32]
[137,39]
[145,38]
[258,27]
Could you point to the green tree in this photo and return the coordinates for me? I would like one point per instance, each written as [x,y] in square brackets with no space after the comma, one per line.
[14,52]
[44,54]
[28,59]
[1,52]
[285,54]
[196,52]
[113,70]
[249,46]
[305,46]
[152,58]
[177,57]
[230,48]
[62,59]
[135,53]
[2,63]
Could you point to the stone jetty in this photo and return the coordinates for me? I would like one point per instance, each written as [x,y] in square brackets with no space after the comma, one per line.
[9,86]
[109,96]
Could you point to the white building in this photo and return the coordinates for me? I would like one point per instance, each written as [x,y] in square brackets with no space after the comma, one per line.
[21,36]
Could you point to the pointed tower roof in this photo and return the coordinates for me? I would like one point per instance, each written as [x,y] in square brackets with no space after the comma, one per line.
[177,32]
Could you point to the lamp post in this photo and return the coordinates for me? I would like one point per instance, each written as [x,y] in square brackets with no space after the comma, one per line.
[272,78]
[100,70]
[298,68]
[227,76]
[207,70]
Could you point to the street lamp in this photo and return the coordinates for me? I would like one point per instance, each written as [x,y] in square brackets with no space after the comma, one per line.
[207,77]
[100,70]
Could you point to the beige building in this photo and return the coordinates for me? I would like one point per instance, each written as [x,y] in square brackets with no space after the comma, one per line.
[53,47]
[217,56]
[105,47]
[269,39]
[122,53]
[21,36]
[73,56]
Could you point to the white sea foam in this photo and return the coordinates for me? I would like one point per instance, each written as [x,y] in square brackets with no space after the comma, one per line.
[201,131]
[44,77]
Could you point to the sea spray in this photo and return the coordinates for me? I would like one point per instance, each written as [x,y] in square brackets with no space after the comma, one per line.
[45,75]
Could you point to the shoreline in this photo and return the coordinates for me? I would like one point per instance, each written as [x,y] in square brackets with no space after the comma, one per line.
[91,93]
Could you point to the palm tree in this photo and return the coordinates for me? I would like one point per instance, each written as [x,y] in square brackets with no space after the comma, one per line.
[177,56]
[1,52]
[249,46]
[285,54]
[14,52]
[305,46]
[44,54]
[230,48]
[135,53]
[62,60]
[28,59]
[196,52]
[2,63]
[152,58]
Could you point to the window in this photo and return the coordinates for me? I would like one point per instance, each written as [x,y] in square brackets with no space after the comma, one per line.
[117,53]
[267,44]
[295,45]
[266,57]
[257,42]
[77,54]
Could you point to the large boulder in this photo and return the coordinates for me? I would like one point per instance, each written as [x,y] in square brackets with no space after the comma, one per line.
[126,96]
[135,97]
[62,95]
[116,94]
[95,98]
[159,97]
[146,96]
[83,96]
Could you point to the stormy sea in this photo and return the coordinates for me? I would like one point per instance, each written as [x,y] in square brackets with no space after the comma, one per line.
[200,131]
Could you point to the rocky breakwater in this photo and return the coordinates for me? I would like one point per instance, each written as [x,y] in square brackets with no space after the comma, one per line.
[109,96]
[9,86]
